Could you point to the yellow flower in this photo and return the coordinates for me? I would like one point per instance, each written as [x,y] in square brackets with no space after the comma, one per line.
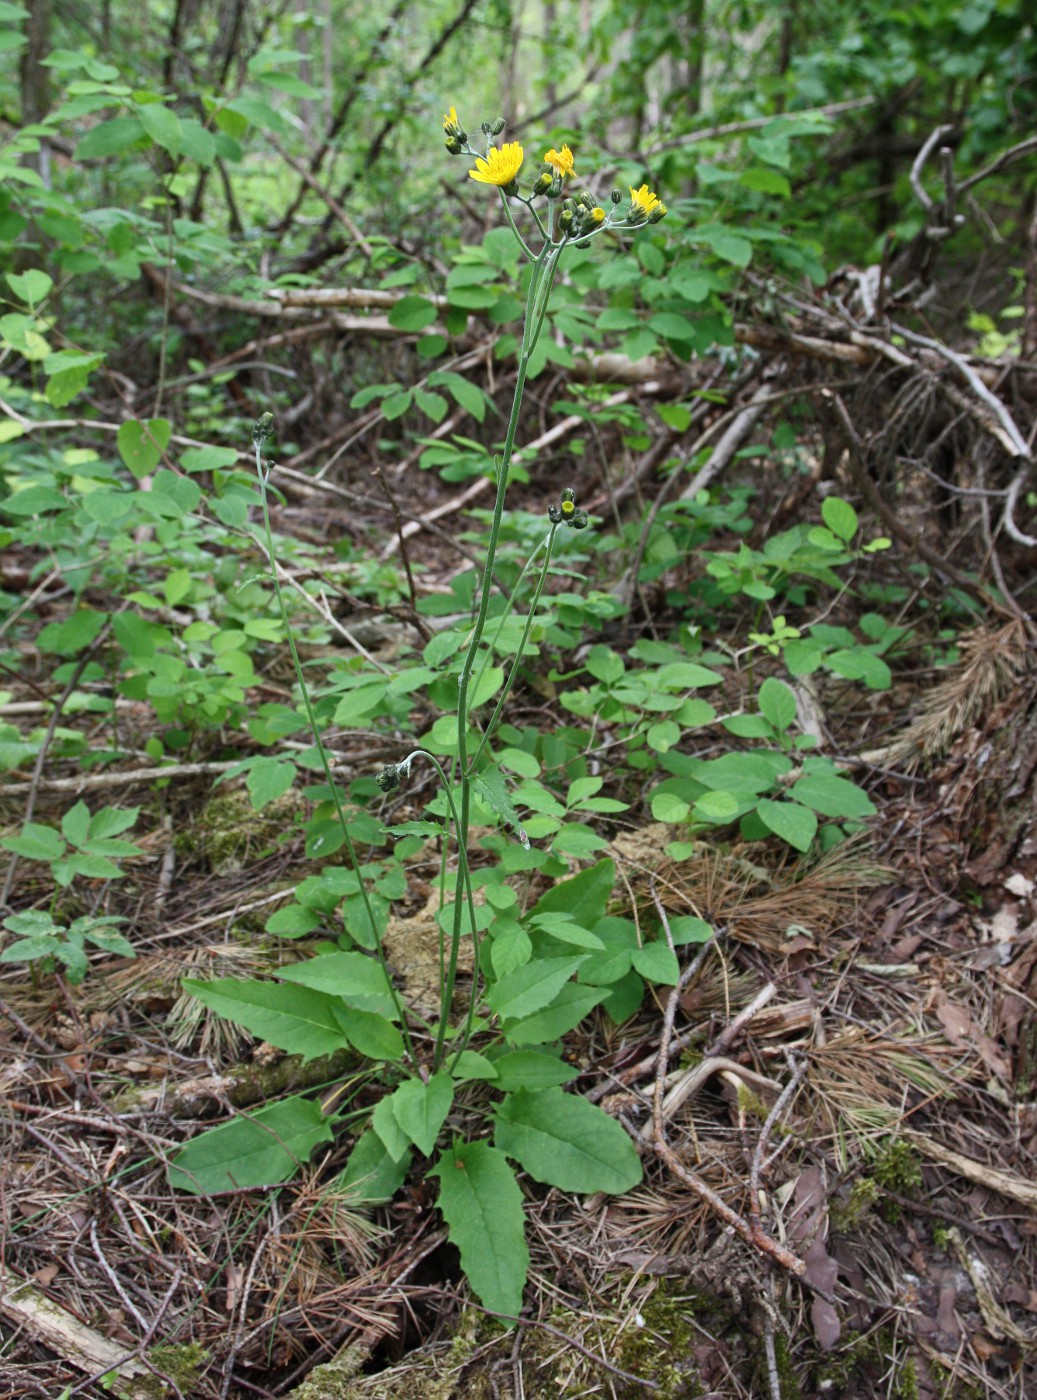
[597,215]
[500,166]
[450,120]
[643,199]
[561,160]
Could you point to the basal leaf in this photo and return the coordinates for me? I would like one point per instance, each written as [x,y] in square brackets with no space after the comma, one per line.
[371,1175]
[421,1109]
[564,1141]
[356,980]
[258,1149]
[481,1203]
[295,1019]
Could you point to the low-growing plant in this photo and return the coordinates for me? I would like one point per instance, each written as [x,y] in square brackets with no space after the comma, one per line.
[44,943]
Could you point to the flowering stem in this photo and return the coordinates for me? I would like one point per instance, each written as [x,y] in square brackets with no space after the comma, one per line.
[548,543]
[541,278]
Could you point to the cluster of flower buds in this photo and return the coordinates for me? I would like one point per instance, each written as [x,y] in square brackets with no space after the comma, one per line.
[389,778]
[568,511]
[454,132]
[581,215]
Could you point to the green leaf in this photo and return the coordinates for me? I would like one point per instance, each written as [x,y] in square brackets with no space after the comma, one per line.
[531,1069]
[371,1175]
[197,142]
[295,1019]
[794,824]
[268,779]
[73,635]
[358,981]
[486,686]
[412,313]
[162,125]
[471,1065]
[656,963]
[370,1034]
[35,842]
[258,1149]
[748,726]
[481,1203]
[141,444]
[510,948]
[492,787]
[75,824]
[293,921]
[31,287]
[567,1010]
[109,138]
[206,459]
[529,988]
[434,406]
[396,405]
[390,1134]
[583,898]
[777,703]
[560,926]
[668,807]
[421,1109]
[840,517]
[564,1141]
[832,796]
[68,372]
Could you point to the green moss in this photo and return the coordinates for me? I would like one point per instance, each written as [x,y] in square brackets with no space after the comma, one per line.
[228,833]
[788,1381]
[180,1364]
[847,1214]
[335,1380]
[660,1349]
[898,1170]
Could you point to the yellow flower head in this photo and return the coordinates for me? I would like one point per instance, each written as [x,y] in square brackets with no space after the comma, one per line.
[561,160]
[644,200]
[450,120]
[597,215]
[500,166]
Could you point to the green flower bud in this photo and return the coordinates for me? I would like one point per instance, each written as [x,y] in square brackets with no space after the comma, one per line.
[453,145]
[497,126]
[566,220]
[579,520]
[568,496]
[617,196]
[389,778]
[263,427]
[659,212]
[546,181]
[583,243]
[554,515]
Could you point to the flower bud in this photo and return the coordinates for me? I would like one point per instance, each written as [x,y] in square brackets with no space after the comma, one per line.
[566,220]
[617,196]
[263,427]
[659,212]
[389,777]
[579,520]
[547,182]
[497,126]
[554,515]
[568,496]
[453,145]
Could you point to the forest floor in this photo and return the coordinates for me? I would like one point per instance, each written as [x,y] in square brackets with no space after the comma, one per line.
[891,987]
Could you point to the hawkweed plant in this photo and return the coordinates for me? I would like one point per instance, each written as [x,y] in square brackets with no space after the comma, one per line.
[544,969]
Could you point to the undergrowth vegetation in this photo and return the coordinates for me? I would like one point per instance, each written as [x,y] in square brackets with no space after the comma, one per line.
[505,541]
